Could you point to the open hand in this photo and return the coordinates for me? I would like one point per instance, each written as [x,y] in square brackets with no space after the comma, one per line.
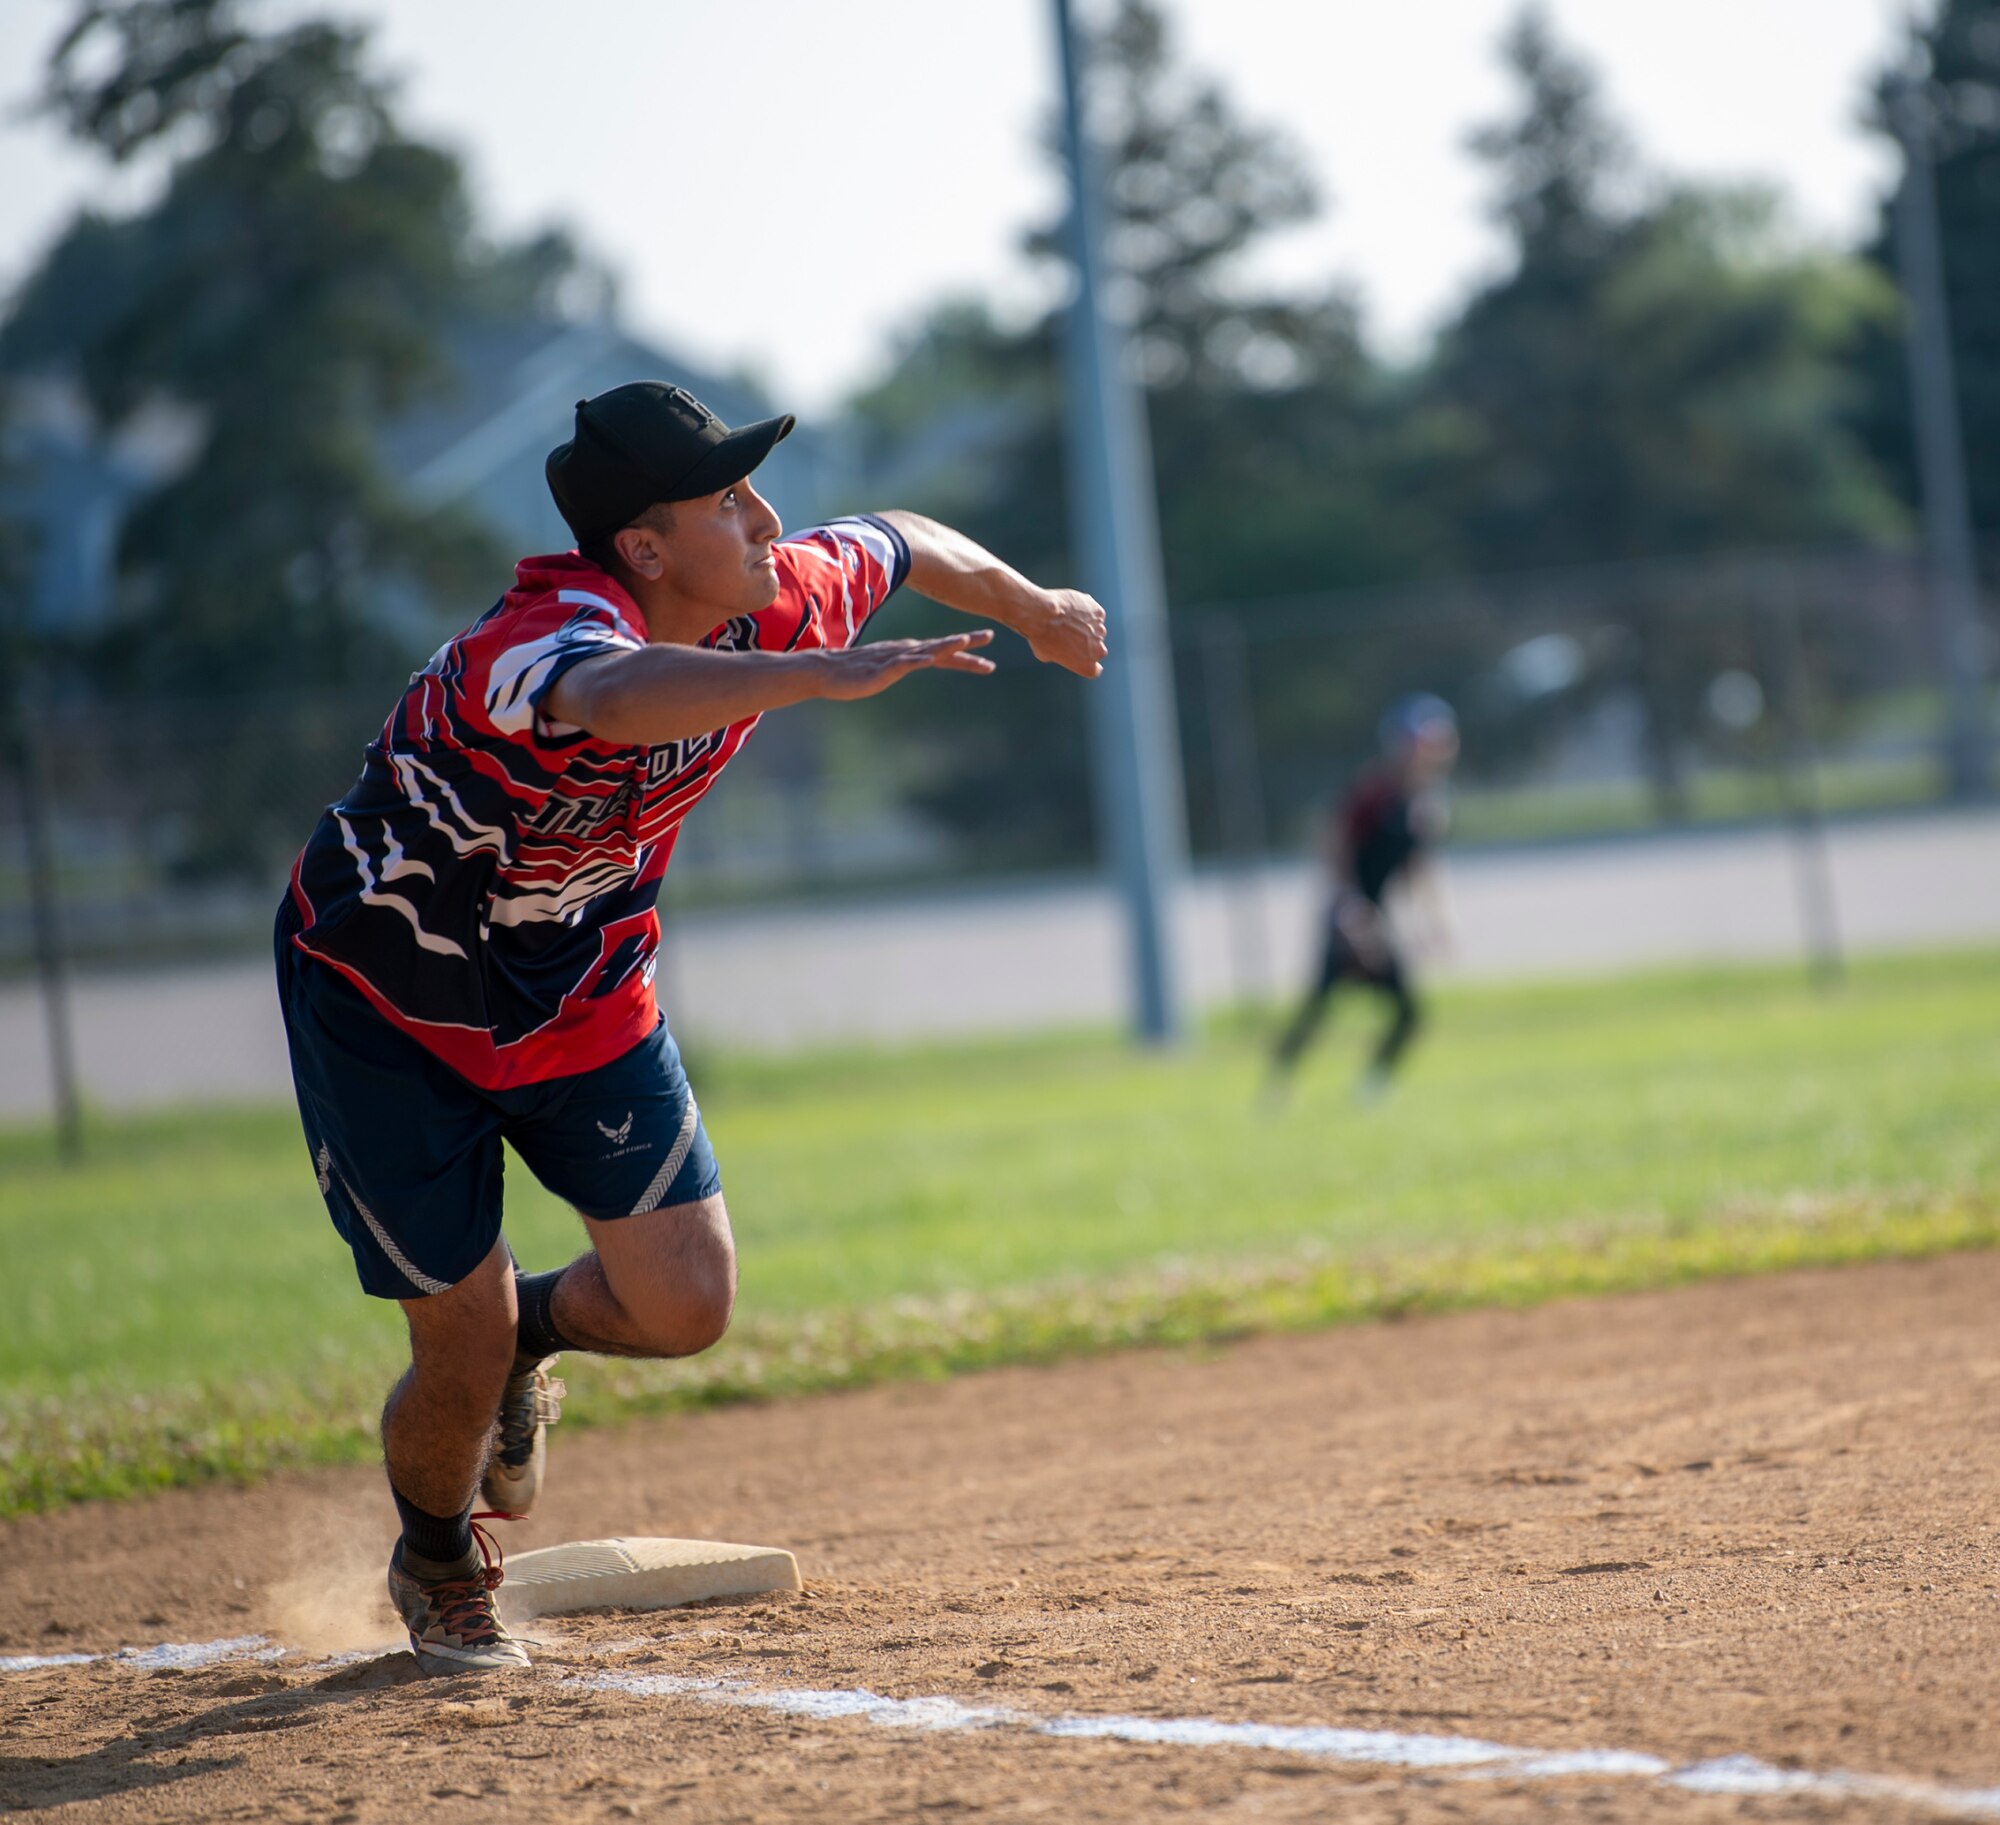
[1072,635]
[862,671]
[1362,926]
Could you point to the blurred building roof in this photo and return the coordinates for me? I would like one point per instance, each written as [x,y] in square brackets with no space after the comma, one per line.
[514,399]
[480,443]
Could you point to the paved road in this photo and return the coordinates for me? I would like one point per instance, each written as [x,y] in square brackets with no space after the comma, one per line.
[964,963]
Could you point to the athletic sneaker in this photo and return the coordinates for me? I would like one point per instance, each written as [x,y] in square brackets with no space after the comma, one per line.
[454,1627]
[530,1406]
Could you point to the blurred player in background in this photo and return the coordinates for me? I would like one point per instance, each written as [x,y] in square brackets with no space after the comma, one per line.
[467,952]
[1381,835]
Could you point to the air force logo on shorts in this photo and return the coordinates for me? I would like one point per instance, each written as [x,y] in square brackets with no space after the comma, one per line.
[621,1140]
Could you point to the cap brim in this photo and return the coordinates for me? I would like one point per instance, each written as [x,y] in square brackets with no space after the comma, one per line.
[734,457]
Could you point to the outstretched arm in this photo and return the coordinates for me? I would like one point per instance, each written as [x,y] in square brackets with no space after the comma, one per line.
[662,693]
[1062,627]
[1426,891]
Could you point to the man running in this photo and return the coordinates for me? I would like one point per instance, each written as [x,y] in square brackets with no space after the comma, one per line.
[466,954]
[1384,829]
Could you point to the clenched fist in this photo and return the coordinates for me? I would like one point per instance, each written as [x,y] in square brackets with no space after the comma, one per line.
[1071,634]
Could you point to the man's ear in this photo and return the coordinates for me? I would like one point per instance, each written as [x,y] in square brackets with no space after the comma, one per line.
[639,546]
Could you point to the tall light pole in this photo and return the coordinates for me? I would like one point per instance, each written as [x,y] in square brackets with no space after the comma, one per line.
[1136,748]
[1954,583]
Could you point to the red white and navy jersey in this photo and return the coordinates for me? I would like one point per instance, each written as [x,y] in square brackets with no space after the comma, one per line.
[1384,827]
[489,881]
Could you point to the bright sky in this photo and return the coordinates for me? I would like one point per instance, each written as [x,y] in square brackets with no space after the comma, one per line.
[784,183]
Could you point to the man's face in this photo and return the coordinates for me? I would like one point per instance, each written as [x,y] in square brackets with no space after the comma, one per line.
[1432,753]
[715,551]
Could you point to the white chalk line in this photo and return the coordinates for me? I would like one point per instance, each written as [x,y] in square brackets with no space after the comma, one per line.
[1468,1757]
[174,1656]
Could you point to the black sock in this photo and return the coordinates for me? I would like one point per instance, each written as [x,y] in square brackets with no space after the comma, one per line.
[437,1541]
[537,1336]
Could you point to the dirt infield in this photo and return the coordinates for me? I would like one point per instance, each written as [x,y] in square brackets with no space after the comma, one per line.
[1415,1571]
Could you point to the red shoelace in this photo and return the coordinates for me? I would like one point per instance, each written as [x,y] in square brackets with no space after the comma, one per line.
[463,1603]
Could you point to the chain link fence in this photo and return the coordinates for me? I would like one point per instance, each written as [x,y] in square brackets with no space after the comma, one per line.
[1594,703]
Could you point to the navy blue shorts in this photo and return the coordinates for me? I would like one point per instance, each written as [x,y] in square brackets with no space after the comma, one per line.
[408,1153]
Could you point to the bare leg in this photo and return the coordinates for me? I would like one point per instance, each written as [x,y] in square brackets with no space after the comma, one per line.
[439,1418]
[663,1284]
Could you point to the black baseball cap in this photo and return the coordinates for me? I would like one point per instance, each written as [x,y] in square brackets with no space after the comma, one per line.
[647,442]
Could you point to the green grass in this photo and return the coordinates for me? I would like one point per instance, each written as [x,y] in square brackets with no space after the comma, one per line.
[180,1307]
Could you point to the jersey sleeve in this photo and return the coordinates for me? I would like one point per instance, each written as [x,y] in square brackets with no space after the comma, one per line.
[1362,812]
[848,568]
[520,676]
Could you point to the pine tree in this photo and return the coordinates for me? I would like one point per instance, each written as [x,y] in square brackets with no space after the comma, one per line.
[1276,441]
[288,291]
[1661,371]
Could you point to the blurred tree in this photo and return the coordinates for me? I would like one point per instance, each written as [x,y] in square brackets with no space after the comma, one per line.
[1658,373]
[1282,452]
[1655,375]
[290,287]
[16,553]
[1276,438]
[1190,187]
[20,640]
[1959,53]
[964,426]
